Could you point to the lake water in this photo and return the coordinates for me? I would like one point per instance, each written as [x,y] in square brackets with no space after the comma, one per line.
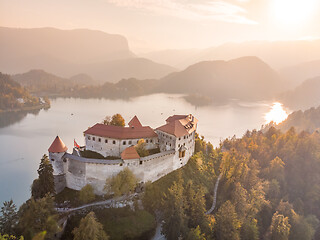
[23,143]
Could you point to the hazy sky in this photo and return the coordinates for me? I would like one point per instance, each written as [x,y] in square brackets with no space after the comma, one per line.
[172,24]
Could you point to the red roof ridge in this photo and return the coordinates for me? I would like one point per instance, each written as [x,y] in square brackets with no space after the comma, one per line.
[57,146]
[118,132]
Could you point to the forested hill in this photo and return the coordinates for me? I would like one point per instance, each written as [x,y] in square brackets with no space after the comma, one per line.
[40,82]
[13,96]
[269,189]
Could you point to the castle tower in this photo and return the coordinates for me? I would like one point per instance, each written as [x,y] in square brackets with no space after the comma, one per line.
[56,152]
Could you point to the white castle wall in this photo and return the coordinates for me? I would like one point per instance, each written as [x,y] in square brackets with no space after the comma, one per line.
[150,168]
[114,147]
[78,171]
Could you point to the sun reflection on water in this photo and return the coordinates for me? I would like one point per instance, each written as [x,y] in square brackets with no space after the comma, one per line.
[276,114]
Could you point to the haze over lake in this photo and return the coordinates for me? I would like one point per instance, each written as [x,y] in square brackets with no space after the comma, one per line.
[23,143]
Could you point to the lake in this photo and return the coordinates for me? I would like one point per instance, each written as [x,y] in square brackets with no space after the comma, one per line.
[25,138]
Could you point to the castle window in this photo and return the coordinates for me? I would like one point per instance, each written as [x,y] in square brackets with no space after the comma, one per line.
[99,139]
[89,138]
[52,159]
[183,153]
[130,142]
[147,141]
[124,142]
[179,138]
[140,162]
[114,142]
[179,145]
[106,141]
[121,164]
[170,138]
[93,139]
[64,160]
[184,137]
[151,140]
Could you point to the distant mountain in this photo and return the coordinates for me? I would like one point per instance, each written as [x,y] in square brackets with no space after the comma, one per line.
[114,71]
[104,57]
[176,58]
[123,89]
[304,96]
[39,81]
[278,54]
[296,74]
[246,78]
[83,80]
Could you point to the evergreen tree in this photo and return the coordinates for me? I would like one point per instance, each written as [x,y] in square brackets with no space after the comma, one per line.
[36,216]
[8,217]
[195,206]
[175,220]
[227,223]
[45,183]
[89,229]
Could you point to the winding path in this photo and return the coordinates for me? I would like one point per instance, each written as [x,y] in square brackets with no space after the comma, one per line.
[106,202]
[214,195]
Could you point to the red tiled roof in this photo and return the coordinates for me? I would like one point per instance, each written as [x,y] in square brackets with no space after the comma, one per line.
[174,128]
[179,125]
[117,132]
[130,153]
[57,146]
[175,117]
[134,122]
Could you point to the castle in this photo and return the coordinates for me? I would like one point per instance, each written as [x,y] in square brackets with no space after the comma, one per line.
[174,142]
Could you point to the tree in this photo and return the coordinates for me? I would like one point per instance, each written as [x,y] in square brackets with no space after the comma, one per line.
[117,120]
[280,227]
[86,194]
[45,183]
[8,218]
[123,183]
[36,216]
[89,229]
[195,206]
[175,220]
[227,223]
[141,148]
[107,120]
[195,234]
[10,237]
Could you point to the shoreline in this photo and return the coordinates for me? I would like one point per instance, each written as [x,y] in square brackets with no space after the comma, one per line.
[25,109]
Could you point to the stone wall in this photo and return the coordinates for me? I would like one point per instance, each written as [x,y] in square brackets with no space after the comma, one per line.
[81,171]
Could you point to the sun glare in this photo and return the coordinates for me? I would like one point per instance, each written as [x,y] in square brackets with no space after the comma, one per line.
[276,114]
[290,12]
